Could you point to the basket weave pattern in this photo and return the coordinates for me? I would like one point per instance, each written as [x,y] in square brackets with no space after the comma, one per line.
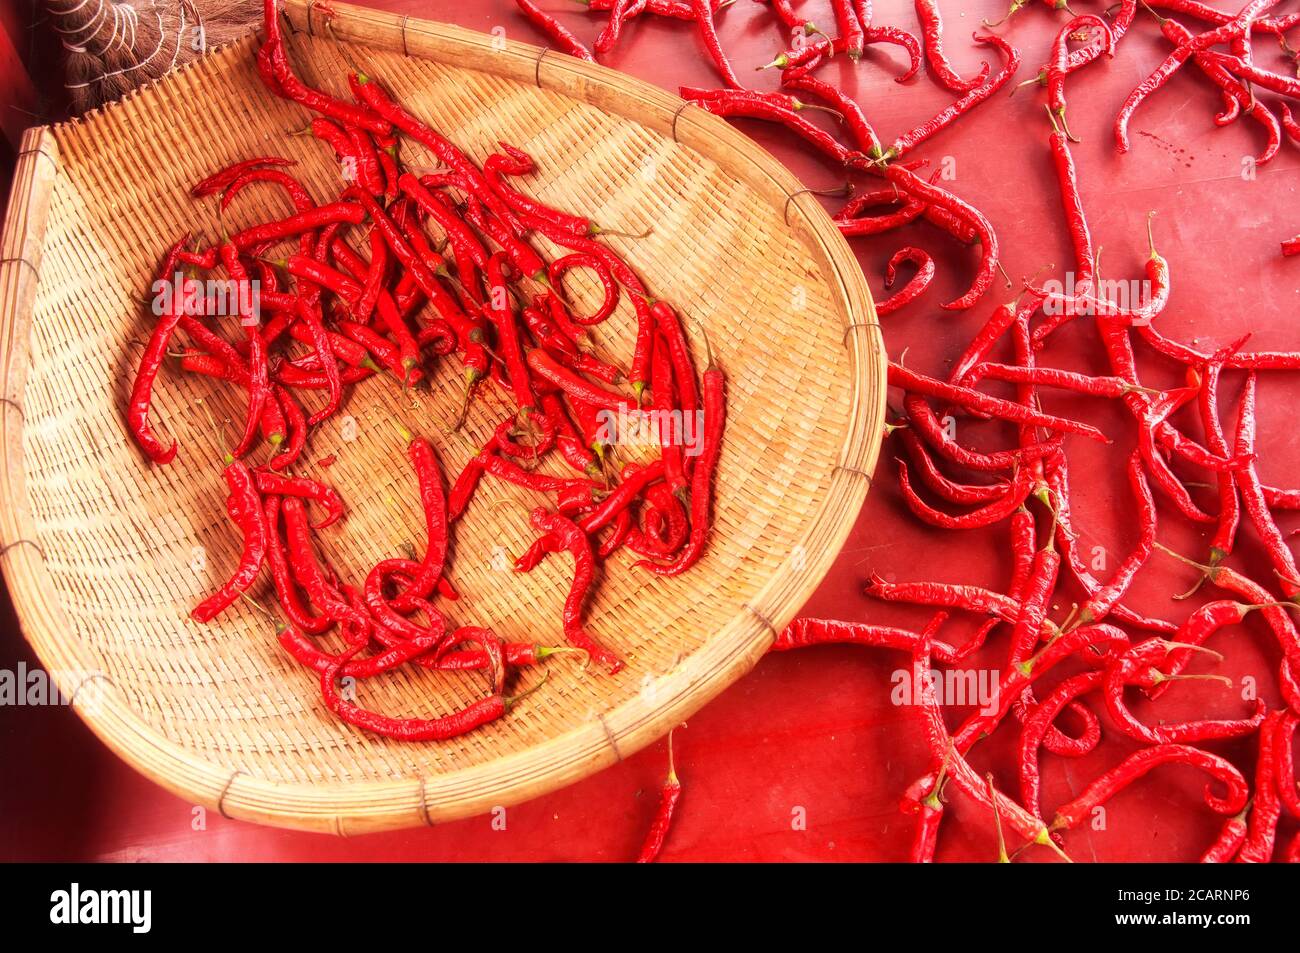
[219,712]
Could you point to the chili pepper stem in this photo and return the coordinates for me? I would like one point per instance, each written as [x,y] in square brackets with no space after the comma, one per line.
[1207,571]
[545,651]
[1158,677]
[672,766]
[511,701]
[1044,837]
[997,822]
[1015,7]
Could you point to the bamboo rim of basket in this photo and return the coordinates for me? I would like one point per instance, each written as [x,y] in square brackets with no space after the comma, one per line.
[355,807]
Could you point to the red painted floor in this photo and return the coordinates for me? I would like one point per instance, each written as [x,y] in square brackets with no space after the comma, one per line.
[804,759]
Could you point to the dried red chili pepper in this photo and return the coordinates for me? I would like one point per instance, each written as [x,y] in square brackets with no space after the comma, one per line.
[554,30]
[913,289]
[915,383]
[1036,726]
[151,360]
[221,179]
[670,792]
[570,537]
[715,413]
[927,11]
[252,520]
[1138,764]
[986,515]
[703,12]
[950,114]
[1137,663]
[913,185]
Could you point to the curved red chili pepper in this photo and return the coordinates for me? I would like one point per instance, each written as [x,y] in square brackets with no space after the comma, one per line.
[913,185]
[914,288]
[570,537]
[554,30]
[223,178]
[927,11]
[1133,665]
[152,359]
[240,481]
[1139,763]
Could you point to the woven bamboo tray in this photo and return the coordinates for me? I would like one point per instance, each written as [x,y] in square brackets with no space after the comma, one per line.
[104,554]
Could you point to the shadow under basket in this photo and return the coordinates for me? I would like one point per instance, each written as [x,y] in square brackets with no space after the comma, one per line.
[105,554]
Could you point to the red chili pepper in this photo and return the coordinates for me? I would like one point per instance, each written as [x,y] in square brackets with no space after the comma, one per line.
[1036,727]
[784,11]
[345,213]
[804,632]
[909,212]
[670,792]
[1266,809]
[570,537]
[922,416]
[914,288]
[1138,764]
[927,11]
[1231,837]
[715,412]
[305,487]
[609,287]
[296,427]
[554,30]
[703,11]
[968,494]
[1252,497]
[1284,774]
[252,520]
[761,106]
[223,178]
[888,34]
[369,174]
[1153,82]
[302,561]
[864,136]
[942,751]
[276,72]
[411,729]
[1097,638]
[913,382]
[1101,602]
[933,195]
[546,367]
[1059,64]
[848,27]
[151,361]
[1002,318]
[1137,663]
[986,515]
[258,381]
[947,116]
[285,588]
[970,598]
[297,192]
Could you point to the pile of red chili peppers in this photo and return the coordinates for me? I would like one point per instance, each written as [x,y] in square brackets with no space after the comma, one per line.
[457,263]
[1087,664]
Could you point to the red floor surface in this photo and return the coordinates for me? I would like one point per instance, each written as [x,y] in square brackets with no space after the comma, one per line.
[804,759]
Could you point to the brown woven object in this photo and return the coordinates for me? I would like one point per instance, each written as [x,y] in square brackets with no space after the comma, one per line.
[112,46]
[101,546]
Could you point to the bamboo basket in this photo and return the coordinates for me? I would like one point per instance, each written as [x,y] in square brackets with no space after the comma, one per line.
[105,554]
